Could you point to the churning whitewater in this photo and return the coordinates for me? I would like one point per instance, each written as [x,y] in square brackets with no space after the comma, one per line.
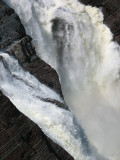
[18,84]
[72,38]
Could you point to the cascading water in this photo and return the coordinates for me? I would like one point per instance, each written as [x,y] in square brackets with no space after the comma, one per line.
[72,38]
[26,93]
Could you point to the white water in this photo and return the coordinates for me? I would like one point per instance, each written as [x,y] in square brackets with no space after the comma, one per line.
[26,92]
[86,60]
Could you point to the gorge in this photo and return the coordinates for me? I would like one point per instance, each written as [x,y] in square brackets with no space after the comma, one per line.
[71,38]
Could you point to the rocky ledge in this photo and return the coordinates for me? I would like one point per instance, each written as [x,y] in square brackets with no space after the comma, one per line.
[20,138]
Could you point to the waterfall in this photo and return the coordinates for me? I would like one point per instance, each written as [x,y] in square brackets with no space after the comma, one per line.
[26,93]
[72,38]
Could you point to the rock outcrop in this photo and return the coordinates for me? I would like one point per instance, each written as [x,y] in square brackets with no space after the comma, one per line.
[11,29]
[20,138]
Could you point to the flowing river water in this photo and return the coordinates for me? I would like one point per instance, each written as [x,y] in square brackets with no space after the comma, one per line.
[72,38]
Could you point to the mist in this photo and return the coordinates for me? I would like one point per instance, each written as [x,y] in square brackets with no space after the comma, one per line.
[72,38]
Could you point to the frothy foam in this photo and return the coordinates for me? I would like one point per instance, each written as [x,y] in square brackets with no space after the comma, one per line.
[26,93]
[72,38]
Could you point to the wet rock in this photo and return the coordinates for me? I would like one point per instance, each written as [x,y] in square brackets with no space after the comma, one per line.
[20,138]
[10,27]
[24,52]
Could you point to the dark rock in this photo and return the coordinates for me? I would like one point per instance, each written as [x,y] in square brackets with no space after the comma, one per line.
[10,27]
[24,51]
[20,138]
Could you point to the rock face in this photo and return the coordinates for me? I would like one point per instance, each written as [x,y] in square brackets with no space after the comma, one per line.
[20,138]
[111,11]
[10,27]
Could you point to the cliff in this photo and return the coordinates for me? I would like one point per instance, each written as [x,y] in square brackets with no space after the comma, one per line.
[20,138]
